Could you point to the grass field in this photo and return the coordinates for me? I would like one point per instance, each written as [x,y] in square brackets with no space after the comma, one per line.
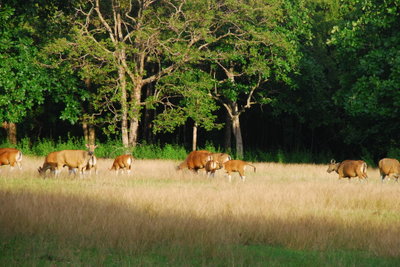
[283,215]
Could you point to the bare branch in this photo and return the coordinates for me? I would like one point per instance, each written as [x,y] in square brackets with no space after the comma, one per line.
[104,22]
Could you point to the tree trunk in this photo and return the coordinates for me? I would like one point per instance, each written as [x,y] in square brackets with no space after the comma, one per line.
[85,131]
[194,140]
[92,135]
[11,129]
[134,127]
[124,103]
[238,136]
[228,133]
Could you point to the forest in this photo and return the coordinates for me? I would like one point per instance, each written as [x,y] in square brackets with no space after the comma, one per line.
[314,76]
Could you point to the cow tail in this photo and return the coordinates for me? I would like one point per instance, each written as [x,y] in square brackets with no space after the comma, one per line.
[18,157]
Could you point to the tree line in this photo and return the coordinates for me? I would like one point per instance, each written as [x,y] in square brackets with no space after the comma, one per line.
[315,75]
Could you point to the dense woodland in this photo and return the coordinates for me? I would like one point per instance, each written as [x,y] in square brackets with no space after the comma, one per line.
[320,76]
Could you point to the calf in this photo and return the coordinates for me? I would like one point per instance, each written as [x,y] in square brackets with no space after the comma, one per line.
[123,162]
[10,156]
[389,167]
[211,167]
[237,166]
[349,168]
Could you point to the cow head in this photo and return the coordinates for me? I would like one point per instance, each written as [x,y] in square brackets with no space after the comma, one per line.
[333,166]
[91,149]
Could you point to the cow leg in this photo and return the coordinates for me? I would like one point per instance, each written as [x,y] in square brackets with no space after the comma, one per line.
[242,177]
[229,177]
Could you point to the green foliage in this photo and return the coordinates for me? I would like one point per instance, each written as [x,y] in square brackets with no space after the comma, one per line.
[22,82]
[367,46]
[187,95]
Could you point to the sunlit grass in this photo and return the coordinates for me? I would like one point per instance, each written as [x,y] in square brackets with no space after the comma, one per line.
[295,206]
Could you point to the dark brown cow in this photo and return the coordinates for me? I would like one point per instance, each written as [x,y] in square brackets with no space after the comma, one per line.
[389,167]
[349,169]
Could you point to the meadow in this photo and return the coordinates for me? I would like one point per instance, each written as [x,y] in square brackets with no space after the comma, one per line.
[283,215]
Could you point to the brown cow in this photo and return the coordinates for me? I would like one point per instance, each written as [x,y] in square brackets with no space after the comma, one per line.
[211,167]
[123,162]
[195,160]
[389,167]
[237,166]
[10,156]
[349,169]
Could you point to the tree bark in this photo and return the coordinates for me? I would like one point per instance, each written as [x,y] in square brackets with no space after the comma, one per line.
[11,129]
[124,107]
[92,135]
[238,136]
[134,122]
[194,140]
[85,131]
[228,133]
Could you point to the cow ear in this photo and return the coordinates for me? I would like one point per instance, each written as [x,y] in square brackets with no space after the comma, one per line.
[87,145]
[333,161]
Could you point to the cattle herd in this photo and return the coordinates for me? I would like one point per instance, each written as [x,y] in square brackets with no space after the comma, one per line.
[85,160]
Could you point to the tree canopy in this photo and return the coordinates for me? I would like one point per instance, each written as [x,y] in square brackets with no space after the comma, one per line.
[317,75]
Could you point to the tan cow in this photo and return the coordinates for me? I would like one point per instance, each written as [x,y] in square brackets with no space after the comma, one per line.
[50,163]
[237,166]
[389,167]
[123,162]
[74,159]
[349,169]
[10,156]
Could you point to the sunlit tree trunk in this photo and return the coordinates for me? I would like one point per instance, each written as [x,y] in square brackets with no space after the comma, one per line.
[194,140]
[11,129]
[135,112]
[124,107]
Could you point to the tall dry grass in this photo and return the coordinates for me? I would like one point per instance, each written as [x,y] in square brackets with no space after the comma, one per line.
[292,205]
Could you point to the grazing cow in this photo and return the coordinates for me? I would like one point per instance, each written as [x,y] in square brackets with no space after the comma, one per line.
[10,156]
[389,167]
[74,159]
[50,163]
[123,162]
[237,166]
[195,160]
[349,169]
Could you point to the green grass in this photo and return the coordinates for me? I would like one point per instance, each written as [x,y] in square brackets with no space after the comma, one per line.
[34,251]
